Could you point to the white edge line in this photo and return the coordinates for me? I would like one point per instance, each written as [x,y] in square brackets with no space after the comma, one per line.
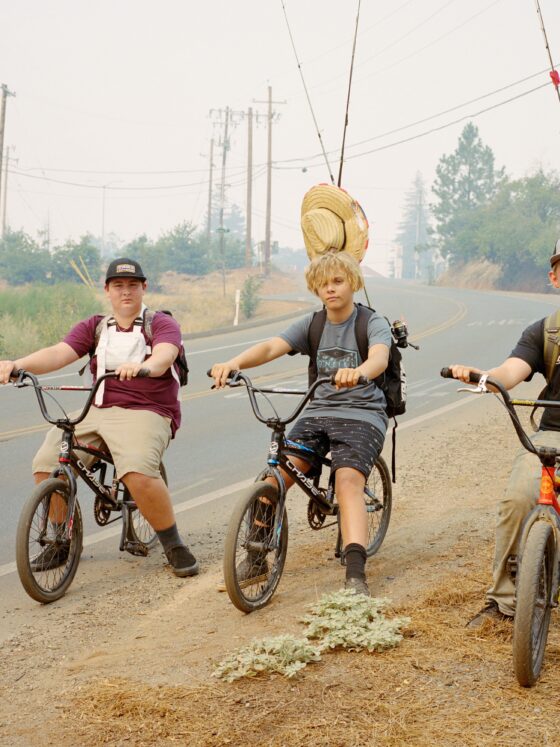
[215,495]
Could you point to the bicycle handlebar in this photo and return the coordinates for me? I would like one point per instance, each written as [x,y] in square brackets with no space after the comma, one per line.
[238,376]
[510,404]
[23,375]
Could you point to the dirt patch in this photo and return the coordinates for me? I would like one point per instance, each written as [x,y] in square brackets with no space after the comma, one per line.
[133,665]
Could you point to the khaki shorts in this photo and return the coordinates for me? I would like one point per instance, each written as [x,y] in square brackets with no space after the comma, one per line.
[135,438]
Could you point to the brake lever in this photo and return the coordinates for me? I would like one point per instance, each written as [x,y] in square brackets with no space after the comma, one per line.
[480,389]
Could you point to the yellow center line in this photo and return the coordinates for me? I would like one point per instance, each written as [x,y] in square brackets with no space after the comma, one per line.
[455,319]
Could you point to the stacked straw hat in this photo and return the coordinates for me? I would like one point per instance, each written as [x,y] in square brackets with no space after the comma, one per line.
[332,220]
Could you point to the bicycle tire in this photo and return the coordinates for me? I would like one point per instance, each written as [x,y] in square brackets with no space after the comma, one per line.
[378,505]
[533,608]
[252,592]
[47,583]
[139,529]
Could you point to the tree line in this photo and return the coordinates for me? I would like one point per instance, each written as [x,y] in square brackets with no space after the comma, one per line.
[479,212]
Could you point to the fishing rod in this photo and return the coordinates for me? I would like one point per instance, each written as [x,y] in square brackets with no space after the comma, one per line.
[554,75]
[348,96]
[307,94]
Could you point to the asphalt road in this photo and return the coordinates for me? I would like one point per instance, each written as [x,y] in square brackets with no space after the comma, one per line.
[221,444]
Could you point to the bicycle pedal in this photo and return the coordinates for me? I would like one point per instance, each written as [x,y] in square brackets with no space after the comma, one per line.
[136,548]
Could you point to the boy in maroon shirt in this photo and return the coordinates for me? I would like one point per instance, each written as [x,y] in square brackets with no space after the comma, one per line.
[134,417]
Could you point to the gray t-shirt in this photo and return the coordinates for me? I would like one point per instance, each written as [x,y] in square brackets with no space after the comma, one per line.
[338,348]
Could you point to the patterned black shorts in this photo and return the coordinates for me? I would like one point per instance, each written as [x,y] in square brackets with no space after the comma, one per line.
[352,443]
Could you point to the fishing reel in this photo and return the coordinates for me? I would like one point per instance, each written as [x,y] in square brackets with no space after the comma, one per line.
[400,333]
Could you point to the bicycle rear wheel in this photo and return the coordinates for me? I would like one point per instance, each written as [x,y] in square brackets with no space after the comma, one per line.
[533,603]
[255,548]
[46,559]
[139,529]
[379,501]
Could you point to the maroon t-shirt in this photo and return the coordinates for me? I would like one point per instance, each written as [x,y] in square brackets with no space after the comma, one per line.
[155,394]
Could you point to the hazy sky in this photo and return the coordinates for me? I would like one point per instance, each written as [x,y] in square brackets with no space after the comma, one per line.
[107,90]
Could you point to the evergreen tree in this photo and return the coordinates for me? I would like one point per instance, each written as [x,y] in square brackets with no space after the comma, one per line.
[465,180]
[412,234]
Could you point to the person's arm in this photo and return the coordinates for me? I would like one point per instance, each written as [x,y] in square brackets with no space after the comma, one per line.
[256,355]
[376,363]
[40,362]
[510,373]
[162,358]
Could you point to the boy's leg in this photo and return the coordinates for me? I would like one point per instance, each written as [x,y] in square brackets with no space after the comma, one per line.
[137,461]
[355,445]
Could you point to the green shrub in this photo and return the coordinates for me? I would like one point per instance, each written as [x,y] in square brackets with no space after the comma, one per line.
[249,296]
[40,315]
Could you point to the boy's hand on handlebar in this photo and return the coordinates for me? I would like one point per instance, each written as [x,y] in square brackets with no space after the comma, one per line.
[7,371]
[221,372]
[128,371]
[463,373]
[347,377]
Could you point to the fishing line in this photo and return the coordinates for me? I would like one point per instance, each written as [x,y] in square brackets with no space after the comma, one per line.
[348,97]
[307,94]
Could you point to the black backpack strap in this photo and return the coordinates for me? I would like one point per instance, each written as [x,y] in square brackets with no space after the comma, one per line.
[314,334]
[551,350]
[363,315]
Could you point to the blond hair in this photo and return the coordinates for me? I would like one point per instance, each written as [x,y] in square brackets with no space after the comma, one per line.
[324,268]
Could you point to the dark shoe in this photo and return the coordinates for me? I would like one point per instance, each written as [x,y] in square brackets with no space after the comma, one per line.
[182,561]
[359,586]
[52,556]
[490,612]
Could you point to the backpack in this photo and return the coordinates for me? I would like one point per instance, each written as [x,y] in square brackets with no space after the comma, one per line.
[392,381]
[181,365]
[551,351]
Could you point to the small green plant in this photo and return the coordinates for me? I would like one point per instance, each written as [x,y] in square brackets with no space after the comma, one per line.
[284,654]
[249,296]
[353,622]
[343,619]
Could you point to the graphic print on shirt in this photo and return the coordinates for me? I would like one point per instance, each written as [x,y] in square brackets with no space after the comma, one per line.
[331,359]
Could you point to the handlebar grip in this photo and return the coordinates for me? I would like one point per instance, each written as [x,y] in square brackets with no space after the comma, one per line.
[474,376]
[143,373]
[364,380]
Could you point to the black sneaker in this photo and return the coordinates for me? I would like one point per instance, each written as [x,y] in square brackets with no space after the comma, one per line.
[490,612]
[359,585]
[52,556]
[182,561]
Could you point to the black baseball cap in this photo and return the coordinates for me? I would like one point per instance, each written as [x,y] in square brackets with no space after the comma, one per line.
[124,268]
[556,256]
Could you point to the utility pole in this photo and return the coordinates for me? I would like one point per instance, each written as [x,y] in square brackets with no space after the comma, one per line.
[271,117]
[209,221]
[248,226]
[7,159]
[5,93]
[229,117]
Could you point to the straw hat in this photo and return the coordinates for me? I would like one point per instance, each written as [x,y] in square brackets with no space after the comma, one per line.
[332,219]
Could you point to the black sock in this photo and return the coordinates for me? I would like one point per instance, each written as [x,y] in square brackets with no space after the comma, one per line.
[355,557]
[170,538]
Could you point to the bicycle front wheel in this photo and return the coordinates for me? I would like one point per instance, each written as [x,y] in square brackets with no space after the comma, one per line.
[379,501]
[533,603]
[255,548]
[139,529]
[46,559]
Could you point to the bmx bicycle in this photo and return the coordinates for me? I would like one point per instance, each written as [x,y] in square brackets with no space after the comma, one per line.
[50,529]
[536,571]
[257,536]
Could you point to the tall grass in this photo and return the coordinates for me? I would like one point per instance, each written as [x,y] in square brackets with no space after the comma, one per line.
[36,316]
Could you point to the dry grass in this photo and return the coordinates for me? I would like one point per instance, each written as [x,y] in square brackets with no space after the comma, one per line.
[442,686]
[199,303]
[480,274]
